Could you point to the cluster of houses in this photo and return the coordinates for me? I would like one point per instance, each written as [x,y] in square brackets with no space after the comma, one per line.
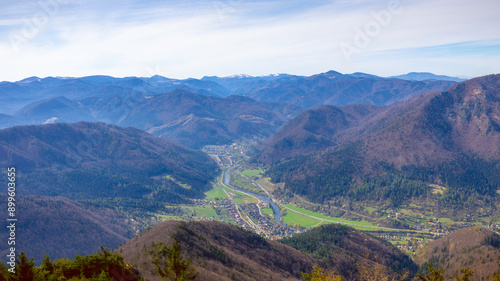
[271,228]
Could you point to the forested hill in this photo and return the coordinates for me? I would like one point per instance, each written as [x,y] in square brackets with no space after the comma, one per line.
[62,228]
[450,137]
[99,161]
[224,252]
[340,247]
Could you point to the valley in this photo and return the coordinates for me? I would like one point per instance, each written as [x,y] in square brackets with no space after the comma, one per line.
[401,174]
[269,140]
[240,193]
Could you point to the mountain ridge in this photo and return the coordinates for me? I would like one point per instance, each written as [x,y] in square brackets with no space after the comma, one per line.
[70,159]
[427,76]
[421,115]
[221,251]
[451,138]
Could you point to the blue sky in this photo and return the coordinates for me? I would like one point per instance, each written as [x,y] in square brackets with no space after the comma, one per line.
[181,39]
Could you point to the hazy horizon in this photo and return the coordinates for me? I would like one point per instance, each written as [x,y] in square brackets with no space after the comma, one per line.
[222,38]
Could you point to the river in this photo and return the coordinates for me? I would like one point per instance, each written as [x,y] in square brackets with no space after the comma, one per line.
[274,206]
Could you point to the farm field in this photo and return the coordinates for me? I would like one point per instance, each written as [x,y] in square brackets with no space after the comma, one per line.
[295,219]
[201,211]
[252,173]
[321,216]
[215,192]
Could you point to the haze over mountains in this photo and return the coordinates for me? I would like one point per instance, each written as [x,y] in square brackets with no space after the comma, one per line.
[426,76]
[330,88]
[204,105]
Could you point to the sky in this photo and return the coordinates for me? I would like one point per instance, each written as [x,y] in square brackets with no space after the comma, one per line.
[182,39]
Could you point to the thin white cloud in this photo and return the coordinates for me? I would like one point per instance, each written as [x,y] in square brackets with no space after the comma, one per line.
[192,39]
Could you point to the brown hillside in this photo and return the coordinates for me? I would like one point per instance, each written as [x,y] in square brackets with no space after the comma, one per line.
[220,251]
[314,130]
[433,128]
[475,248]
[63,228]
[425,131]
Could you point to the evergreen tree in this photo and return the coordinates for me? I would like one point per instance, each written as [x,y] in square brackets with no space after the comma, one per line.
[24,268]
[434,275]
[47,264]
[4,272]
[466,275]
[174,267]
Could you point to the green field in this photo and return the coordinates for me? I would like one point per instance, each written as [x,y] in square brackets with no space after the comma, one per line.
[293,219]
[321,216]
[165,217]
[267,211]
[410,212]
[245,184]
[235,191]
[216,192]
[200,211]
[400,242]
[357,227]
[252,173]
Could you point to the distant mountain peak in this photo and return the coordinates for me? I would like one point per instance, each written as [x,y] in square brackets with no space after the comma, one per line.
[363,75]
[331,74]
[158,78]
[30,79]
[426,76]
[240,76]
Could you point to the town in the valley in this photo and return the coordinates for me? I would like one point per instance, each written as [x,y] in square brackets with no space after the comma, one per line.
[240,203]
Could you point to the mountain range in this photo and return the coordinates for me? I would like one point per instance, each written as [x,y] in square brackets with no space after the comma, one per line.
[452,137]
[196,120]
[121,177]
[330,88]
[426,76]
[129,101]
[358,137]
[462,119]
